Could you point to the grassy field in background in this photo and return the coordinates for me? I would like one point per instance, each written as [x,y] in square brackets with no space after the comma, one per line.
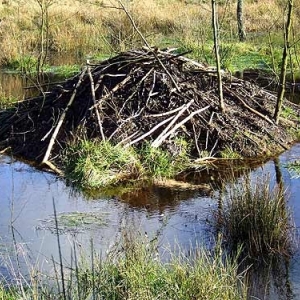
[93,28]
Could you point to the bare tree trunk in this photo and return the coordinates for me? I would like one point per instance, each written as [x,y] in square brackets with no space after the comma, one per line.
[44,33]
[240,21]
[282,78]
[216,45]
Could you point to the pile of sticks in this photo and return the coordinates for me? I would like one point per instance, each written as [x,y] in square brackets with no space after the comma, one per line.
[144,95]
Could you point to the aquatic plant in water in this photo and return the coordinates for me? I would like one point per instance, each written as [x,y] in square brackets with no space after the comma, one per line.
[257,218]
[294,168]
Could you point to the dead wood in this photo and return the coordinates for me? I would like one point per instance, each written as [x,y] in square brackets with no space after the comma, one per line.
[61,120]
[248,107]
[131,99]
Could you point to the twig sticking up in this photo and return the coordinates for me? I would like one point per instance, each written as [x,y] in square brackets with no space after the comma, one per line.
[94,101]
[61,120]
[147,44]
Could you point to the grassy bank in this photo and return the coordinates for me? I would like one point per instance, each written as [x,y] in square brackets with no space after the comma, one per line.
[99,164]
[90,29]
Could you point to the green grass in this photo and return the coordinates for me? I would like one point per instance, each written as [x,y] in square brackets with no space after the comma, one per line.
[134,270]
[7,102]
[257,218]
[63,71]
[24,64]
[97,164]
[229,153]
[7,294]
[160,163]
[93,164]
[289,113]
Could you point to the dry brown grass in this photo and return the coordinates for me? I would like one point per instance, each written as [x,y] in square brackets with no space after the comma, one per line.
[86,27]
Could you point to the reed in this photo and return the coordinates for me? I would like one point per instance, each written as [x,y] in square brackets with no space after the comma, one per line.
[134,270]
[256,217]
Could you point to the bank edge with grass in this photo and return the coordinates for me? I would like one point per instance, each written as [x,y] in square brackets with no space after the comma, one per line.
[100,164]
[133,269]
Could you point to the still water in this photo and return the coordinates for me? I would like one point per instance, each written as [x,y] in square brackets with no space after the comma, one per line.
[176,216]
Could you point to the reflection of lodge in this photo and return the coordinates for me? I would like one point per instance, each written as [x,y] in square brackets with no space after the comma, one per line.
[163,195]
[166,194]
[222,171]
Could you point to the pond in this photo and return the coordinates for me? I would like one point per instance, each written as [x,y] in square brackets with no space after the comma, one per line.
[176,216]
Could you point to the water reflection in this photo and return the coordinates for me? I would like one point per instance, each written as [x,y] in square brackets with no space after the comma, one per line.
[15,85]
[20,87]
[26,201]
[178,215]
[270,281]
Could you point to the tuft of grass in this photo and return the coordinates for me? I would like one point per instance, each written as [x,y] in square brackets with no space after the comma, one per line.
[161,163]
[94,164]
[98,164]
[289,113]
[157,162]
[256,217]
[63,71]
[7,294]
[7,102]
[229,153]
[24,64]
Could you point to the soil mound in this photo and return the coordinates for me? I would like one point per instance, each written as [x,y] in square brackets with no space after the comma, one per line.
[147,95]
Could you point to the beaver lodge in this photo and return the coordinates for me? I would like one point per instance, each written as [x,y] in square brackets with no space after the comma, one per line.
[148,96]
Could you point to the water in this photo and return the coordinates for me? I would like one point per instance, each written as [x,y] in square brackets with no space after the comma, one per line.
[15,85]
[176,216]
[27,202]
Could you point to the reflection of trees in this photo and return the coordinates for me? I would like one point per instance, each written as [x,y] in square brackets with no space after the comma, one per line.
[12,85]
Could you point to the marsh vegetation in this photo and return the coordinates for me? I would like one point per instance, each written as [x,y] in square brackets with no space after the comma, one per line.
[92,29]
